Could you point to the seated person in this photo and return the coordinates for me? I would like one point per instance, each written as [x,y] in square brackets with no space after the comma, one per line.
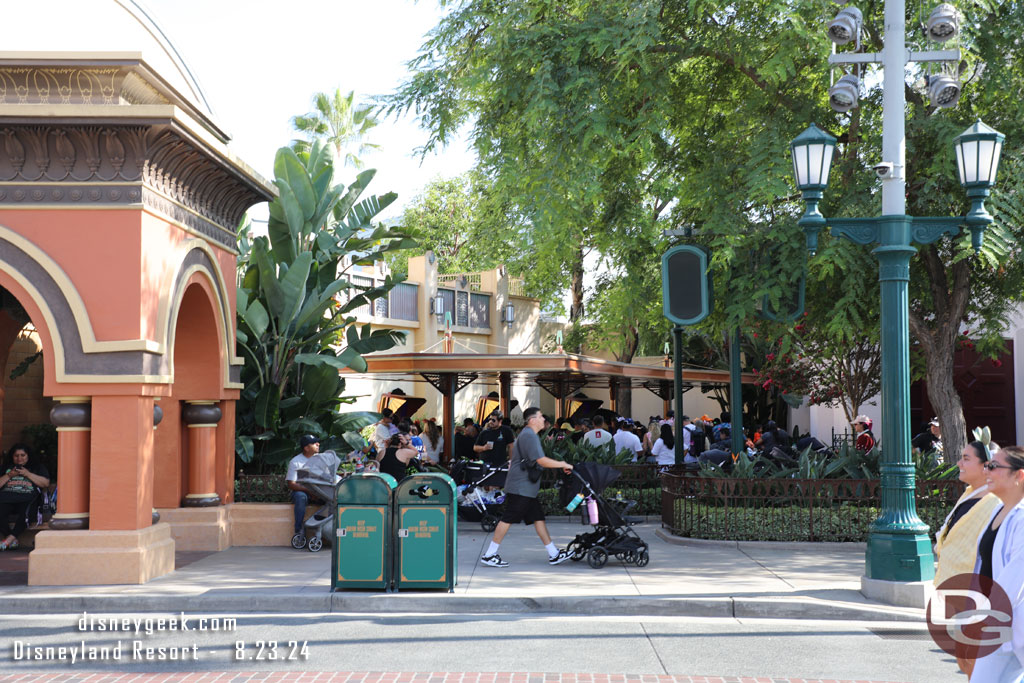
[494,444]
[311,459]
[398,456]
[19,486]
[715,456]
[724,442]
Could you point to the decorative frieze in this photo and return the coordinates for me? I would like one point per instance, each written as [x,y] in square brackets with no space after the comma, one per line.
[155,165]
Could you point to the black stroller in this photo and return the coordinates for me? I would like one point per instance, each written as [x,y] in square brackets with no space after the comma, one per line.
[474,503]
[613,533]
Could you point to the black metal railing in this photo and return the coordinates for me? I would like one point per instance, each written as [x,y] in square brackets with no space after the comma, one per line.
[788,509]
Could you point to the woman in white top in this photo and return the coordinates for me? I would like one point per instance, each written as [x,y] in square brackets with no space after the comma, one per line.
[664,448]
[1001,556]
[432,443]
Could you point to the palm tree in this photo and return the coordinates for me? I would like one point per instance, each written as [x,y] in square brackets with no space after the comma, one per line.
[336,120]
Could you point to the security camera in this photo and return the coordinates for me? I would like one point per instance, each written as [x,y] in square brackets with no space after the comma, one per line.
[883,169]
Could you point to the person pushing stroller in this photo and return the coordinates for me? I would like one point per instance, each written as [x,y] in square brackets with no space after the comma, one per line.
[521,491]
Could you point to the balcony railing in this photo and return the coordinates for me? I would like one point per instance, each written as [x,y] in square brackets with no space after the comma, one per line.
[472,281]
[517,286]
[401,303]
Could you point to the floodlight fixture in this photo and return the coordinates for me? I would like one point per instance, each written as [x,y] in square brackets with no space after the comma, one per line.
[845,26]
[944,90]
[843,96]
[943,23]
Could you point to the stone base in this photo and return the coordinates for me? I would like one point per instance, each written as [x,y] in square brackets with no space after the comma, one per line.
[198,528]
[265,524]
[898,593]
[68,558]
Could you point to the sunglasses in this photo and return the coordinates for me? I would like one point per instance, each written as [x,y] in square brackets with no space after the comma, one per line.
[996,466]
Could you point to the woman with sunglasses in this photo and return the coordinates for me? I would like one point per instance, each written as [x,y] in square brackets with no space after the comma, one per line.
[956,543]
[1001,558]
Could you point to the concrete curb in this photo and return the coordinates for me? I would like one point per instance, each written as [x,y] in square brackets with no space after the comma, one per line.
[445,603]
[757,545]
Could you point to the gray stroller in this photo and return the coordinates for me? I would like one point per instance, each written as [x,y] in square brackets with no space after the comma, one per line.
[324,485]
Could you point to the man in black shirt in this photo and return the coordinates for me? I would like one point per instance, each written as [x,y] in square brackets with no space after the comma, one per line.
[494,445]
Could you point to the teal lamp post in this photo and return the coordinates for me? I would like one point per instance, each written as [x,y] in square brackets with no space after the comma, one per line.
[899,549]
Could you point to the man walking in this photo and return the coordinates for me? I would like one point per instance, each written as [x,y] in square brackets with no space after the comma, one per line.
[521,503]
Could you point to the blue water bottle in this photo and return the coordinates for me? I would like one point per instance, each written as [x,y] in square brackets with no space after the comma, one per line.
[574,503]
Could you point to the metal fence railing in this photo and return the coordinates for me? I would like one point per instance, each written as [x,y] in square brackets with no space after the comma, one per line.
[788,509]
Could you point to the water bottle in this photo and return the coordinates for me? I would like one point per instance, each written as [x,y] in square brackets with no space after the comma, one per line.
[592,510]
[575,502]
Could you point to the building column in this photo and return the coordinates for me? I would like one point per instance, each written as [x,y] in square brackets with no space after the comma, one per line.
[201,418]
[73,418]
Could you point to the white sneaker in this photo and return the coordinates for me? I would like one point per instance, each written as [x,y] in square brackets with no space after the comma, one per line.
[561,557]
[493,561]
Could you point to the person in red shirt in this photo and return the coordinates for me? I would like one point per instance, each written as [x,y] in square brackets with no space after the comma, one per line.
[865,438]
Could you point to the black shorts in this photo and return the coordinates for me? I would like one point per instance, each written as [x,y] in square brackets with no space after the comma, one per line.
[521,509]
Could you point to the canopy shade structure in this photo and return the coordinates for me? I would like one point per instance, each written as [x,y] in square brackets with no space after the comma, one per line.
[561,375]
[402,406]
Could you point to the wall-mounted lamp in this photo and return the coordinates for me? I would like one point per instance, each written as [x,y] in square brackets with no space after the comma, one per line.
[437,307]
[508,314]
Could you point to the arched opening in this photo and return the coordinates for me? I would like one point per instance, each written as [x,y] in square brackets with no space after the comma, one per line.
[24,415]
[197,366]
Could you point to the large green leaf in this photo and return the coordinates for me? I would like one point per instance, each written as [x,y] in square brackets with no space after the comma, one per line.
[349,358]
[355,421]
[288,166]
[281,240]
[266,406]
[256,317]
[292,209]
[244,448]
[271,288]
[293,287]
[320,383]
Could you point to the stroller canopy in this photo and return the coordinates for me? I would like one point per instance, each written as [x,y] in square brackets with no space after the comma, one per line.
[597,475]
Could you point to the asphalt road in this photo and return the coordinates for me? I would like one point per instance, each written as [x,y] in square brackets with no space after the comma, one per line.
[524,643]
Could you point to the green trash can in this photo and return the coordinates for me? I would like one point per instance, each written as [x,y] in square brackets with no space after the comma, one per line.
[362,555]
[425,532]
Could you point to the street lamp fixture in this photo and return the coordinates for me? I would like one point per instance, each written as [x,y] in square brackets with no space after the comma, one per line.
[943,90]
[845,26]
[977,160]
[508,314]
[812,158]
[843,96]
[943,23]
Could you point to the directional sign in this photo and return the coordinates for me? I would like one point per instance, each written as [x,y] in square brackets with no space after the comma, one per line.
[686,284]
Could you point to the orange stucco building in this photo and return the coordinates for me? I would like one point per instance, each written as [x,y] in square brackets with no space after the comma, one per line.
[119,202]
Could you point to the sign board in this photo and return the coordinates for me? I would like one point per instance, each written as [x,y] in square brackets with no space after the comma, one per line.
[685,284]
[791,306]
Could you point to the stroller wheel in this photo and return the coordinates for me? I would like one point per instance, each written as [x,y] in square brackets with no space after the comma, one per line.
[642,558]
[299,540]
[597,557]
[488,522]
[577,550]
[315,544]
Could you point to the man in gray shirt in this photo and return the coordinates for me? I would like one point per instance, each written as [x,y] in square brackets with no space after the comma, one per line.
[521,503]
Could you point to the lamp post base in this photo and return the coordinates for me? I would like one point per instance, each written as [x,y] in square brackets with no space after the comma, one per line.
[899,557]
[897,593]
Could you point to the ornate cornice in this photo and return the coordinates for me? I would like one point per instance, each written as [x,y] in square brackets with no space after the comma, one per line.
[156,165]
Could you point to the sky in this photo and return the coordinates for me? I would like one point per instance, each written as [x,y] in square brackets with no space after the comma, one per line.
[260,61]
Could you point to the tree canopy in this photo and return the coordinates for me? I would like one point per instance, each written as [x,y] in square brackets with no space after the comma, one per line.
[602,124]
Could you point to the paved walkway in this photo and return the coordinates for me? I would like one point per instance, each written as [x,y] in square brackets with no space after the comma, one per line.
[708,579]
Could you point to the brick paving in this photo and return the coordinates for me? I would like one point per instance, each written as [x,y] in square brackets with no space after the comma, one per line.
[393,677]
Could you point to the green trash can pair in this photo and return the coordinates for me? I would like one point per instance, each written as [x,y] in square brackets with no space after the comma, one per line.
[393,536]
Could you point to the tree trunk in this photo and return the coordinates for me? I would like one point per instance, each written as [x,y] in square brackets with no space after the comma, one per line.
[944,398]
[624,395]
[937,337]
[576,285]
